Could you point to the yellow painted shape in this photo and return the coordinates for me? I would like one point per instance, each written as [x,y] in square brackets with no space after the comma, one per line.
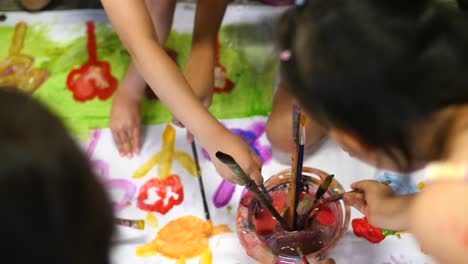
[152,220]
[145,168]
[207,256]
[181,261]
[186,161]
[18,38]
[186,237]
[147,250]
[167,152]
[220,229]
[209,228]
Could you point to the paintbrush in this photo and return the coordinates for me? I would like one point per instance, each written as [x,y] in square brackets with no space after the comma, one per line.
[296,168]
[265,192]
[202,188]
[301,255]
[251,186]
[309,203]
[136,224]
[341,195]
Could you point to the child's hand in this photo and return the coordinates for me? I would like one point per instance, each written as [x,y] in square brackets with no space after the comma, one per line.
[233,145]
[382,208]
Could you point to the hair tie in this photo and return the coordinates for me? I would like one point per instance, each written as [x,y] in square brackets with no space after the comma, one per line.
[285,55]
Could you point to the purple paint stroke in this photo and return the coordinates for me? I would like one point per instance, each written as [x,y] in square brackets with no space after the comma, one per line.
[223,194]
[95,136]
[129,192]
[100,166]
[102,169]
[251,136]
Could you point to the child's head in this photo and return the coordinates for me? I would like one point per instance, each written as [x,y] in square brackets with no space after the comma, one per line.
[379,74]
[52,208]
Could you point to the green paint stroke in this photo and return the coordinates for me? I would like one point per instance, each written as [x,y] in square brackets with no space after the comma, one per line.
[251,65]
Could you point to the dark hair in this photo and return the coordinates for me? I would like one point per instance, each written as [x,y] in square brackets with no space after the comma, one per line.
[52,207]
[376,68]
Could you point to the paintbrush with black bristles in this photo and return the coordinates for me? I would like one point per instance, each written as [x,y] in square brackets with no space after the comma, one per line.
[251,186]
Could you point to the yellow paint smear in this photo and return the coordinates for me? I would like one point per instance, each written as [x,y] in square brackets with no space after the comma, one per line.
[152,220]
[164,159]
[186,161]
[145,168]
[186,237]
[165,165]
[206,257]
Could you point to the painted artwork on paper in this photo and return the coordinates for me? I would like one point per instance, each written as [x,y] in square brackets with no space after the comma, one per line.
[94,78]
[18,69]
[165,191]
[74,67]
[222,84]
[184,238]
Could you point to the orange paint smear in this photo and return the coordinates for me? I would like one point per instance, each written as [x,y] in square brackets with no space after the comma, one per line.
[184,238]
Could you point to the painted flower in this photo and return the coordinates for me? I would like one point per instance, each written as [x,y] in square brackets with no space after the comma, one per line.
[161,195]
[94,78]
[222,84]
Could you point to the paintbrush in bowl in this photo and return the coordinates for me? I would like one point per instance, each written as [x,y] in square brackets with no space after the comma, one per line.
[341,195]
[251,186]
[307,204]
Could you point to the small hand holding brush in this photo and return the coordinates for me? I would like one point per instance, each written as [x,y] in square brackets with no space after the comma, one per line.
[341,195]
[250,184]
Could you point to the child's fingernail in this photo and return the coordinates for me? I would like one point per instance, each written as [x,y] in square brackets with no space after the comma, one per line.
[121,154]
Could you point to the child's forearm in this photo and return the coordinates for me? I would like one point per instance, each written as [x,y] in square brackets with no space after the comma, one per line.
[396,211]
[208,18]
[439,221]
[159,71]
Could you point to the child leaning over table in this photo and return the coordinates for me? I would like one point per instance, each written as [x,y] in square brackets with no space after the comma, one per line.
[388,81]
[53,208]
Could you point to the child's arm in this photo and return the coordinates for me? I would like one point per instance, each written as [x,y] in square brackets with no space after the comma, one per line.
[381,207]
[133,24]
[438,216]
[201,64]
[439,221]
[199,70]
